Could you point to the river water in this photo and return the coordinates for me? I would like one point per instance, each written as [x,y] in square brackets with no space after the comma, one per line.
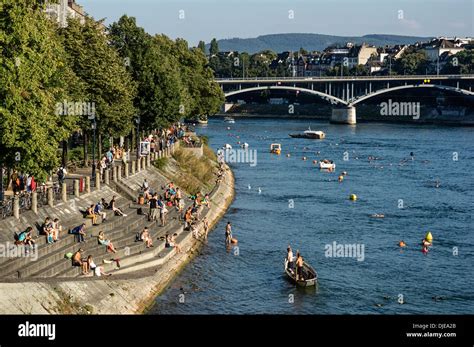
[298,204]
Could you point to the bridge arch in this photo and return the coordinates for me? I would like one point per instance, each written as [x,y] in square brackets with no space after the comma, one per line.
[330,98]
[355,101]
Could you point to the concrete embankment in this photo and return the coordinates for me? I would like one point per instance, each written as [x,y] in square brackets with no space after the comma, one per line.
[123,293]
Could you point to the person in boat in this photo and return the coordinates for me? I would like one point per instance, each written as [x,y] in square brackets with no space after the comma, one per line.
[425,243]
[299,266]
[228,233]
[289,258]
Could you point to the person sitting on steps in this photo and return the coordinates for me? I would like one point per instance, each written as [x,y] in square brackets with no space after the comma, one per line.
[106,242]
[78,261]
[91,215]
[113,207]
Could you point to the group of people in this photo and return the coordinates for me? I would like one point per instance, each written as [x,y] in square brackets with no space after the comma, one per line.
[87,264]
[22,183]
[94,211]
[51,228]
[295,263]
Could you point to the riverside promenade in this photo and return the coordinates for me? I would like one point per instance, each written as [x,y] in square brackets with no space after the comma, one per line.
[50,285]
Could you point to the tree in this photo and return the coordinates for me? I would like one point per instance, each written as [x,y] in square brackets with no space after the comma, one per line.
[460,63]
[412,63]
[34,77]
[202,46]
[359,70]
[108,85]
[214,49]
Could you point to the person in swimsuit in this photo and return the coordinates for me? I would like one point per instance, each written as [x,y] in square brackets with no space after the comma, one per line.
[228,233]
[299,266]
[289,258]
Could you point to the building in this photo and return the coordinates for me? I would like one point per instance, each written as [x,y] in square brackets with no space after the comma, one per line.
[437,47]
[360,55]
[65,9]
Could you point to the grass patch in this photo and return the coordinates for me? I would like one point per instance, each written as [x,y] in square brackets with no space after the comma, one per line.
[160,163]
[197,174]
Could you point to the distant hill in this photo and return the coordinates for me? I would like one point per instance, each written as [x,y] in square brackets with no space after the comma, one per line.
[310,42]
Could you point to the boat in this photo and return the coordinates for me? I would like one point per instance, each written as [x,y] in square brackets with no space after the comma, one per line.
[275,148]
[310,134]
[309,274]
[202,120]
[327,164]
[229,120]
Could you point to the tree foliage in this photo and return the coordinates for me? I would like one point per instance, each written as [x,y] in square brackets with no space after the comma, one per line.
[34,77]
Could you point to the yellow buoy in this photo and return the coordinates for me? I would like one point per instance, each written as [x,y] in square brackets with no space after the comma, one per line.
[353,197]
[429,237]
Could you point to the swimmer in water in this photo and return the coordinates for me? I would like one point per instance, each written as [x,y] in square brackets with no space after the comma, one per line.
[402,244]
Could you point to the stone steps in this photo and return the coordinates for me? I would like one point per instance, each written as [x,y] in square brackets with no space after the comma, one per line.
[67,244]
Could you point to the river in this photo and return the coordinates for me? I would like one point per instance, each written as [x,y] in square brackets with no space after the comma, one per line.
[286,200]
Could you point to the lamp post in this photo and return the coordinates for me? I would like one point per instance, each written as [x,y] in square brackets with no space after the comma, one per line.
[138,136]
[1,183]
[94,126]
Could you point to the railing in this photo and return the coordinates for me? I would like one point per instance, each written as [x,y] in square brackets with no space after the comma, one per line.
[25,201]
[316,78]
[6,208]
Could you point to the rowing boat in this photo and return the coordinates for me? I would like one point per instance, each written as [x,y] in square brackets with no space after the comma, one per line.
[309,274]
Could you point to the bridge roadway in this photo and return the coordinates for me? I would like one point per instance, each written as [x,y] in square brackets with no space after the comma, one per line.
[344,92]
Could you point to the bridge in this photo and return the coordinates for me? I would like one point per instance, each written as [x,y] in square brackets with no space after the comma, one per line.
[345,92]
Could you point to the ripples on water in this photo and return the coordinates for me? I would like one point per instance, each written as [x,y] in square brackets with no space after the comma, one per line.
[219,282]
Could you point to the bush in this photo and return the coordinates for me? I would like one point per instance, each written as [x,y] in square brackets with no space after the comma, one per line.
[75,155]
[160,163]
[197,173]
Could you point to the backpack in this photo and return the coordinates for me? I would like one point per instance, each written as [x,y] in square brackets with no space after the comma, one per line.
[140,211]
[138,237]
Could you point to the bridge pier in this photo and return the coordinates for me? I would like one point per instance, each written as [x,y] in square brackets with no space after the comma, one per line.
[343,115]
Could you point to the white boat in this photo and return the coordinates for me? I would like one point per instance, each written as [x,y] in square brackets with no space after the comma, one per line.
[310,134]
[327,164]
[229,120]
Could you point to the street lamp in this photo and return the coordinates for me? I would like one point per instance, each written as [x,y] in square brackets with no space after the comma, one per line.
[94,126]
[138,136]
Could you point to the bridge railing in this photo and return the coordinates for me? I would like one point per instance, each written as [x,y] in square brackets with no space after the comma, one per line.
[316,78]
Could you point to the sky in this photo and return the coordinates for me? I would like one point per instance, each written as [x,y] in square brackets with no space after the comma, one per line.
[196,20]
